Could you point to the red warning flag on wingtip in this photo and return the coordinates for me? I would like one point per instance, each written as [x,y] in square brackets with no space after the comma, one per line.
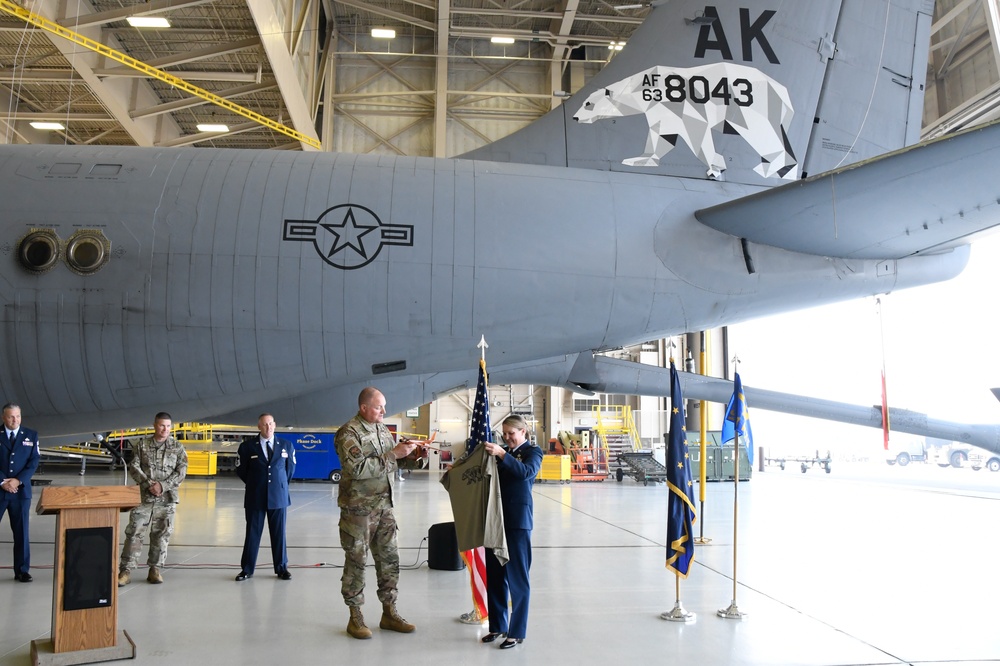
[885,415]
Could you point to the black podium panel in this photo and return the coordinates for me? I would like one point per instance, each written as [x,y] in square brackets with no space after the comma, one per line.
[89,558]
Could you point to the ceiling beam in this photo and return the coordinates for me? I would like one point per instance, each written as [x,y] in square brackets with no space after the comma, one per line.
[59,116]
[193,55]
[286,69]
[187,75]
[553,15]
[960,42]
[133,9]
[38,76]
[190,139]
[388,13]
[95,47]
[118,96]
[192,102]
[13,130]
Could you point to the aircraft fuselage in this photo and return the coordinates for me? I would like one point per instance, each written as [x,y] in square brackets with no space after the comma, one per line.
[234,279]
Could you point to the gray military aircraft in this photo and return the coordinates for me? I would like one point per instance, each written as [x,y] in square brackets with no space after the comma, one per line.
[735,160]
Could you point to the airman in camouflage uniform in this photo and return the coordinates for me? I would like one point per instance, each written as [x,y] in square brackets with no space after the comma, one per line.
[159,466]
[368,458]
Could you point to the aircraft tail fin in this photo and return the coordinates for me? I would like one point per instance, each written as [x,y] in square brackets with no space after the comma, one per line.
[755,91]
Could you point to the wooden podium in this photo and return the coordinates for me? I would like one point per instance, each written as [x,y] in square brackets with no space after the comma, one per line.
[85,575]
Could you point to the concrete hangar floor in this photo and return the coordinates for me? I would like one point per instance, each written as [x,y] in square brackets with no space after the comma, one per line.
[866,565]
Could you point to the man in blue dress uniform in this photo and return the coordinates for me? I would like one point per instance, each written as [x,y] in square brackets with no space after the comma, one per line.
[265,464]
[19,460]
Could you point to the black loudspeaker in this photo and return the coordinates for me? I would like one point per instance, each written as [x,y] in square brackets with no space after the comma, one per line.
[90,557]
[442,548]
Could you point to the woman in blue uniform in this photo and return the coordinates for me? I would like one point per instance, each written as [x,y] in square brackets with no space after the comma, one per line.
[517,465]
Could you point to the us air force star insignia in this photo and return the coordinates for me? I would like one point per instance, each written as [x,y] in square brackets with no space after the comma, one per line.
[348,236]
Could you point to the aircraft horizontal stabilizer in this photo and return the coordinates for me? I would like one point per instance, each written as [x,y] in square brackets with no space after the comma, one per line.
[927,198]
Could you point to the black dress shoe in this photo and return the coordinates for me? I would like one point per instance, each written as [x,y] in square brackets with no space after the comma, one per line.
[23,577]
[242,576]
[510,642]
[284,574]
[492,636]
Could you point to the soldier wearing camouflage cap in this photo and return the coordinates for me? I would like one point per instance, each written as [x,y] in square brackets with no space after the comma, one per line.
[368,458]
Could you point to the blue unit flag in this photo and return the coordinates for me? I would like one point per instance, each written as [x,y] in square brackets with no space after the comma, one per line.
[680,506]
[737,421]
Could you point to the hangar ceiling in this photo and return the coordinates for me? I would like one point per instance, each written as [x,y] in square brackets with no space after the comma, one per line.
[311,66]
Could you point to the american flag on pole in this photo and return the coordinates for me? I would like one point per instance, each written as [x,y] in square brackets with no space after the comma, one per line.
[475,560]
[480,430]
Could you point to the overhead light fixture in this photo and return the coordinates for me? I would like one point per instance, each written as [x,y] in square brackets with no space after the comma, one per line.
[502,40]
[616,46]
[39,125]
[148,22]
[383,33]
[211,127]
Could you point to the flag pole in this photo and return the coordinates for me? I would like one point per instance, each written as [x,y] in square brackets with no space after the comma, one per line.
[475,559]
[678,612]
[733,612]
[701,539]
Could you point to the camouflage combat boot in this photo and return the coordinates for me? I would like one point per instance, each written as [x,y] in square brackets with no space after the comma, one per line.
[356,627]
[124,578]
[154,575]
[392,621]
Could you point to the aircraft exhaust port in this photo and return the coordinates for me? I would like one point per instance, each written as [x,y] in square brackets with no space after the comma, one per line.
[87,251]
[39,250]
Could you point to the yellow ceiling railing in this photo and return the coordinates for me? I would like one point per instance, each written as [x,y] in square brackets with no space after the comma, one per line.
[76,38]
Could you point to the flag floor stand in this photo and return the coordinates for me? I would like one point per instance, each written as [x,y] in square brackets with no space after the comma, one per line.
[678,614]
[731,613]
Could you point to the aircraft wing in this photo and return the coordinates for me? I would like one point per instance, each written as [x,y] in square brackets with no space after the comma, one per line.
[628,377]
[925,198]
[587,373]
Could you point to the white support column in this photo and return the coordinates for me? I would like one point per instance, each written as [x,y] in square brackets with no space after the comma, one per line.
[554,406]
[329,90]
[441,80]
[561,27]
